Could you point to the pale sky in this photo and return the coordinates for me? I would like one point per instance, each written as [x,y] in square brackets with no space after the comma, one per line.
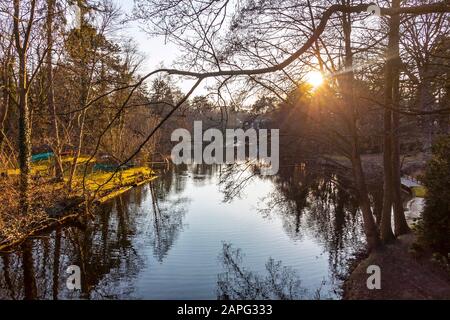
[157,52]
[154,49]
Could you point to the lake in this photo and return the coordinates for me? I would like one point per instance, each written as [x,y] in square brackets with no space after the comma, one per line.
[200,232]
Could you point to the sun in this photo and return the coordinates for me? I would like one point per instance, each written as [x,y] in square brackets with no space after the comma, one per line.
[315,79]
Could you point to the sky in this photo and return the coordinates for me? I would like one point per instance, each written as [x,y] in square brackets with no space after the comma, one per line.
[155,50]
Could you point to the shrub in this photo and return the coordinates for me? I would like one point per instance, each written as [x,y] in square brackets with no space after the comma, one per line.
[436,215]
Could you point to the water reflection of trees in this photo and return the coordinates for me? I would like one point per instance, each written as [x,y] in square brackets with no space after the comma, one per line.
[174,180]
[102,249]
[316,200]
[167,221]
[310,199]
[203,174]
[106,249]
[238,283]
[234,178]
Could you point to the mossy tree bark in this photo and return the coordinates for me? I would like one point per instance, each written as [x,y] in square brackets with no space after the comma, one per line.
[24,110]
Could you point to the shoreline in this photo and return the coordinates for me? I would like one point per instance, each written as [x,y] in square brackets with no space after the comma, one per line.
[405,274]
[70,214]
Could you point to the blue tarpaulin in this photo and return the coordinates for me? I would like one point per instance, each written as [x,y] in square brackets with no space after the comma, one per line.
[41,156]
[110,167]
[104,167]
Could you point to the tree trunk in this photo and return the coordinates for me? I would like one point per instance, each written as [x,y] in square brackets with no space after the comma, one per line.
[50,93]
[388,186]
[5,109]
[386,215]
[6,76]
[378,206]
[77,154]
[370,228]
[24,111]
[400,224]
[426,101]
[24,137]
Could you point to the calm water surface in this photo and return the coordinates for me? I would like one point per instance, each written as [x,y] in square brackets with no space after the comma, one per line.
[200,233]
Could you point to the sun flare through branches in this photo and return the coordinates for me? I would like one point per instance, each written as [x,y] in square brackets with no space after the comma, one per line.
[315,79]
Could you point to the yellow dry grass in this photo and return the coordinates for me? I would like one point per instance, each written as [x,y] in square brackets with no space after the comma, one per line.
[103,183]
[98,182]
[44,167]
